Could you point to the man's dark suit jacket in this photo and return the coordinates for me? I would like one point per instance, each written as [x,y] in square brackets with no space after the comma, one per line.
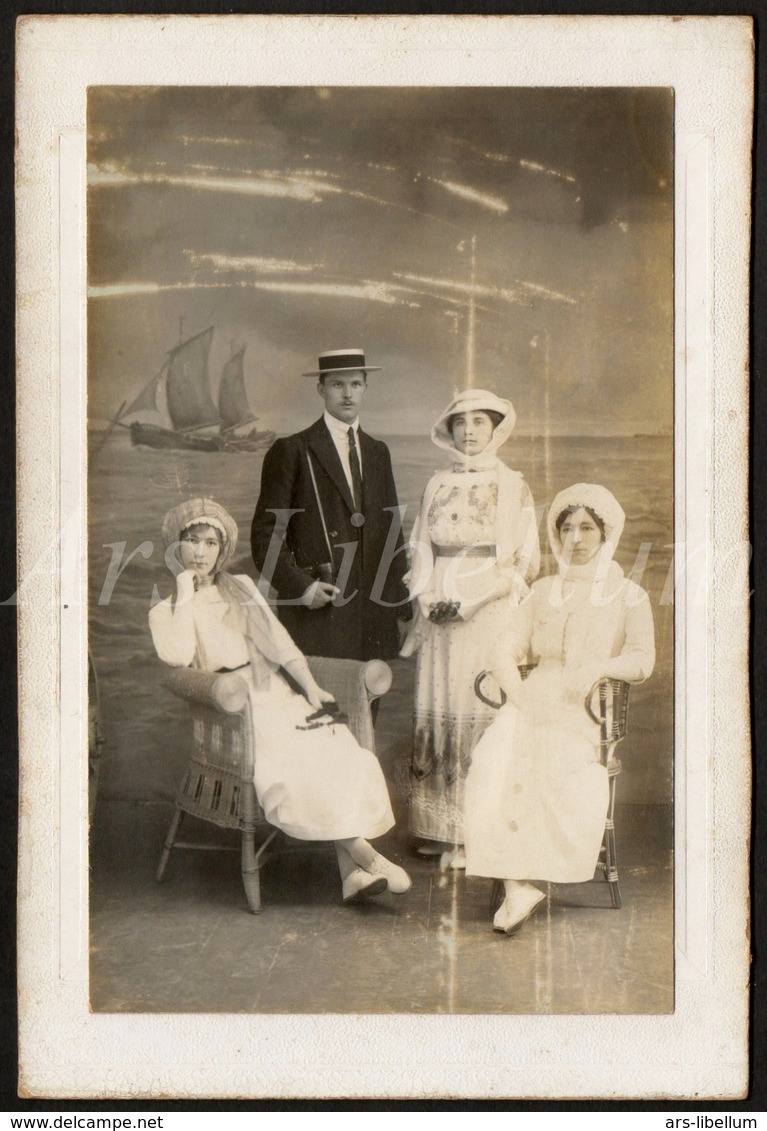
[364,627]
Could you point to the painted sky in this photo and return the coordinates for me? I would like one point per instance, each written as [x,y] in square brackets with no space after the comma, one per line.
[516,239]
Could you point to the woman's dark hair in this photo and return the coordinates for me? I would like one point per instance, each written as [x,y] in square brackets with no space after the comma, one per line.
[576,507]
[197,526]
[495,417]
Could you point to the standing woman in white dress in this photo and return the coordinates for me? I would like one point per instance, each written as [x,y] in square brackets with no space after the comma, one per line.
[537,793]
[474,547]
[316,783]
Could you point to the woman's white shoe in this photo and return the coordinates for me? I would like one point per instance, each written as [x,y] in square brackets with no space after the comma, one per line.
[454,859]
[397,879]
[360,883]
[516,909]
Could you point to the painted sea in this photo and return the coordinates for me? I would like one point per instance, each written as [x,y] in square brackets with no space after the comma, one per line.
[130,489]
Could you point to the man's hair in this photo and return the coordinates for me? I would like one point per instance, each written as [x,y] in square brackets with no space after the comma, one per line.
[334,373]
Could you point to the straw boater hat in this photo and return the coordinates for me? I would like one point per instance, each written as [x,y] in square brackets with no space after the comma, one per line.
[341,361]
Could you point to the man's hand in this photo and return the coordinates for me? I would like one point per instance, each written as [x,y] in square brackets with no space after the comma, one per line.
[319,594]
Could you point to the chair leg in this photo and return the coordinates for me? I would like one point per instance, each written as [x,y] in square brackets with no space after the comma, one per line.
[251,867]
[170,840]
[611,864]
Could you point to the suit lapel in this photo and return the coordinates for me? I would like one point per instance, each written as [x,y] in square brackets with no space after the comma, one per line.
[321,443]
[370,477]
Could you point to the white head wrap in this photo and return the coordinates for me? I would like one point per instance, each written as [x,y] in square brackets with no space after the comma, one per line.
[475,400]
[604,504]
[202,512]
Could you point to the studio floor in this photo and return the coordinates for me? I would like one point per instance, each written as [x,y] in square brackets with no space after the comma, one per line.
[190,945]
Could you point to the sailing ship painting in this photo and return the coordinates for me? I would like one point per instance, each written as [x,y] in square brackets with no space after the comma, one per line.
[179,396]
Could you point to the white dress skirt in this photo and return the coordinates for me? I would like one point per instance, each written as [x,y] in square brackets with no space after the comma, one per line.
[317,784]
[314,784]
[537,794]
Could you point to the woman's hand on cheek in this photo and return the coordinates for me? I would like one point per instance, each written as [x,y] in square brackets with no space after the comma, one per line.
[186,583]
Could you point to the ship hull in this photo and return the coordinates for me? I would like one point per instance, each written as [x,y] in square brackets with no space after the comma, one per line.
[252,442]
[153,436]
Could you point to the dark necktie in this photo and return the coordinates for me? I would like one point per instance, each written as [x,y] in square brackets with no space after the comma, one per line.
[354,464]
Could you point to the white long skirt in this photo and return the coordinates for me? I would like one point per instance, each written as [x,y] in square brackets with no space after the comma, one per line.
[448,721]
[536,795]
[317,784]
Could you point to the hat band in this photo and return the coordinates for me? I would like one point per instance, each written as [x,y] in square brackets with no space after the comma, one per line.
[342,361]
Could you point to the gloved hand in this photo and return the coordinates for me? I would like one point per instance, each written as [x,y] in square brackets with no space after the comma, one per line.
[442,611]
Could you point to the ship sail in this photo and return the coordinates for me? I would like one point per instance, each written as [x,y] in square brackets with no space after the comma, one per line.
[179,399]
[146,401]
[233,404]
[190,404]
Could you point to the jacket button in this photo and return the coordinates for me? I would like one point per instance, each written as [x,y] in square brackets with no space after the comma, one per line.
[333,533]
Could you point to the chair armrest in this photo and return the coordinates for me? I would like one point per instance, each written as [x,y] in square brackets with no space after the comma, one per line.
[378,678]
[344,677]
[618,690]
[495,704]
[225,691]
[354,684]
[524,671]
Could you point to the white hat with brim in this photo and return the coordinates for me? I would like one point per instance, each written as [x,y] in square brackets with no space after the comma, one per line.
[342,361]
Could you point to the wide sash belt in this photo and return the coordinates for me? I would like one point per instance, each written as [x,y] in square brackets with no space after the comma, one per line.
[464,551]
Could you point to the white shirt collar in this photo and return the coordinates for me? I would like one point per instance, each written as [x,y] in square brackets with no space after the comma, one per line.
[338,427]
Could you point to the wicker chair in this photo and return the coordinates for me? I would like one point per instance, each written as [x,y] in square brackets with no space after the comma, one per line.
[611,697]
[218,783]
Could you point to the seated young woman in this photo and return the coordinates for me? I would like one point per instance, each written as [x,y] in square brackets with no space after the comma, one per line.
[313,780]
[537,793]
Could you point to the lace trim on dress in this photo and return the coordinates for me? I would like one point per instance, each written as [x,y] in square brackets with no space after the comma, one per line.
[443,745]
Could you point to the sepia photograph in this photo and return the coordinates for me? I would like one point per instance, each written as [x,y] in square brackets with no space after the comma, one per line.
[382,378]
[383,557]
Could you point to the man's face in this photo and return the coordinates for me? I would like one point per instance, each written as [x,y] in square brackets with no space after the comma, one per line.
[343,394]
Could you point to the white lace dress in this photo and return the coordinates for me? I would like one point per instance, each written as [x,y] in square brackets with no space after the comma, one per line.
[462,513]
[317,784]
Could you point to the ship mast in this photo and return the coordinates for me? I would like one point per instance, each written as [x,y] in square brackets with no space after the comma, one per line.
[471,327]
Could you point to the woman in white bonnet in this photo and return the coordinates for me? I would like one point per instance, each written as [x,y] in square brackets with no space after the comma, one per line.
[312,778]
[474,548]
[537,793]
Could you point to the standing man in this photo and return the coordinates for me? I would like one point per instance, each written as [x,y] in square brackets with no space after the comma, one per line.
[327,532]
